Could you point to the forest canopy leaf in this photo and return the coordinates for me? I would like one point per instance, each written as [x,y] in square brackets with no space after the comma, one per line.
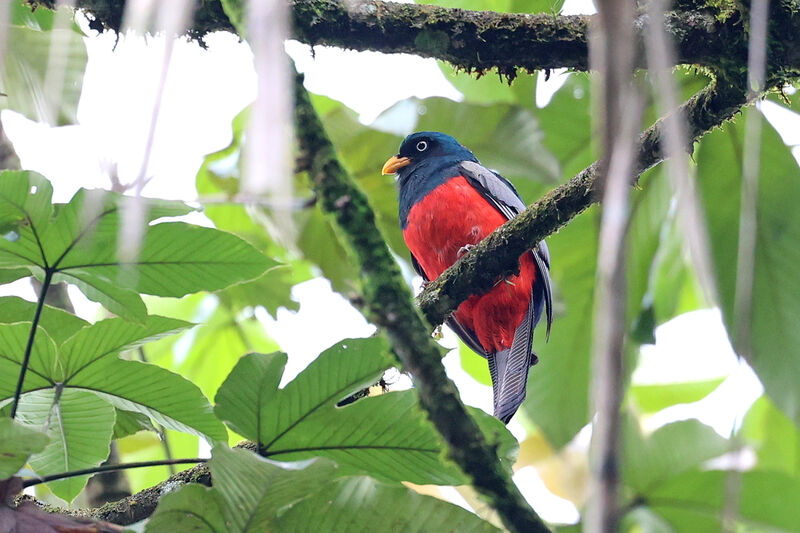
[774,338]
[79,425]
[17,443]
[386,436]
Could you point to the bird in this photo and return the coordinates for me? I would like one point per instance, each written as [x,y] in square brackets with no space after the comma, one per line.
[448,202]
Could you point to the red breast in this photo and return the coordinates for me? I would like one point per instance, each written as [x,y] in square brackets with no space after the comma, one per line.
[451,216]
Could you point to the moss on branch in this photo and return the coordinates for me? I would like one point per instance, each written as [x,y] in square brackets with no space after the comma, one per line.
[479,41]
[498,254]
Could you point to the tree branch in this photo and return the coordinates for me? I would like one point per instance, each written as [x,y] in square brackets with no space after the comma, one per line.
[479,41]
[387,302]
[498,254]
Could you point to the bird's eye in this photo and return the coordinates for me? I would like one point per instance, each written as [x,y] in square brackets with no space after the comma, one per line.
[422,146]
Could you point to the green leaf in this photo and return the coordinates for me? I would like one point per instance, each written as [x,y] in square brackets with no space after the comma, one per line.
[193,508]
[695,501]
[109,337]
[13,341]
[79,425]
[774,437]
[558,386]
[387,436]
[168,398]
[89,360]
[654,398]
[361,504]
[7,275]
[247,391]
[255,489]
[176,259]
[25,198]
[248,493]
[31,91]
[17,443]
[80,245]
[775,337]
[671,450]
[60,325]
[119,300]
[129,422]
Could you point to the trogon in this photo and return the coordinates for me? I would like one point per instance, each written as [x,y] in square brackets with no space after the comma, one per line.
[448,203]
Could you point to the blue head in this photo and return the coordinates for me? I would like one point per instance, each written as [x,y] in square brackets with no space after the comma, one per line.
[428,147]
[426,159]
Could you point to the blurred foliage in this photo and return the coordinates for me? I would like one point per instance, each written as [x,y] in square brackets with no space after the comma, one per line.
[186,327]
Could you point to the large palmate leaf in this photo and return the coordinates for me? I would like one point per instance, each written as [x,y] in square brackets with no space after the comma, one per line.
[387,436]
[80,245]
[44,65]
[89,360]
[79,425]
[774,339]
[17,443]
[247,495]
[60,325]
[253,494]
[362,503]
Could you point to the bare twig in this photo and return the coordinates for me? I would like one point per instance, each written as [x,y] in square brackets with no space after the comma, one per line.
[110,468]
[660,58]
[612,52]
[745,264]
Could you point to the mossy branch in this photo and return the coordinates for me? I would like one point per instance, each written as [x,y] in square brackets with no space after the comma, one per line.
[387,301]
[498,254]
[479,41]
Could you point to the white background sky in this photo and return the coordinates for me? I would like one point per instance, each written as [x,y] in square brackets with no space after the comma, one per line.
[206,88]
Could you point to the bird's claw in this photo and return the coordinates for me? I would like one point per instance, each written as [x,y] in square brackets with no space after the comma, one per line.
[464,249]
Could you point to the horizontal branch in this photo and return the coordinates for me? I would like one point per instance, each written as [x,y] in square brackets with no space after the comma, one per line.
[498,254]
[478,41]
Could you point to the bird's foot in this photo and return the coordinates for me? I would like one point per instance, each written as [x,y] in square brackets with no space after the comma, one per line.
[464,249]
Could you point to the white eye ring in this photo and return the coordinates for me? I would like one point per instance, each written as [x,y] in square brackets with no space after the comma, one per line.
[422,146]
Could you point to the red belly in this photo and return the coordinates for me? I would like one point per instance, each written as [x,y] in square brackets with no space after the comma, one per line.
[451,216]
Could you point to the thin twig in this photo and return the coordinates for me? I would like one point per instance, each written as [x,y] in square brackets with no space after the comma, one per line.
[660,58]
[48,276]
[110,468]
[612,50]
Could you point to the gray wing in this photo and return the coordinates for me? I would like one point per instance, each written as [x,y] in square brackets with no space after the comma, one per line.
[464,333]
[509,368]
[504,197]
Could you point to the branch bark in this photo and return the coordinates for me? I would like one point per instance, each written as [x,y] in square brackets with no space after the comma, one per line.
[479,41]
[498,254]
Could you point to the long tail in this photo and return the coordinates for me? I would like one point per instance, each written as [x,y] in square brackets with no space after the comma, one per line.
[509,370]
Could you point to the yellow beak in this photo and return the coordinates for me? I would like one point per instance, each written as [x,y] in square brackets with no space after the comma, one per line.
[394,164]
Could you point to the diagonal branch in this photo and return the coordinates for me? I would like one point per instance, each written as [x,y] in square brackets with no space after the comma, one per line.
[498,254]
[387,302]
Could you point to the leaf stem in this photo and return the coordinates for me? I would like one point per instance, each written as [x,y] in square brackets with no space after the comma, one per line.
[111,468]
[48,277]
